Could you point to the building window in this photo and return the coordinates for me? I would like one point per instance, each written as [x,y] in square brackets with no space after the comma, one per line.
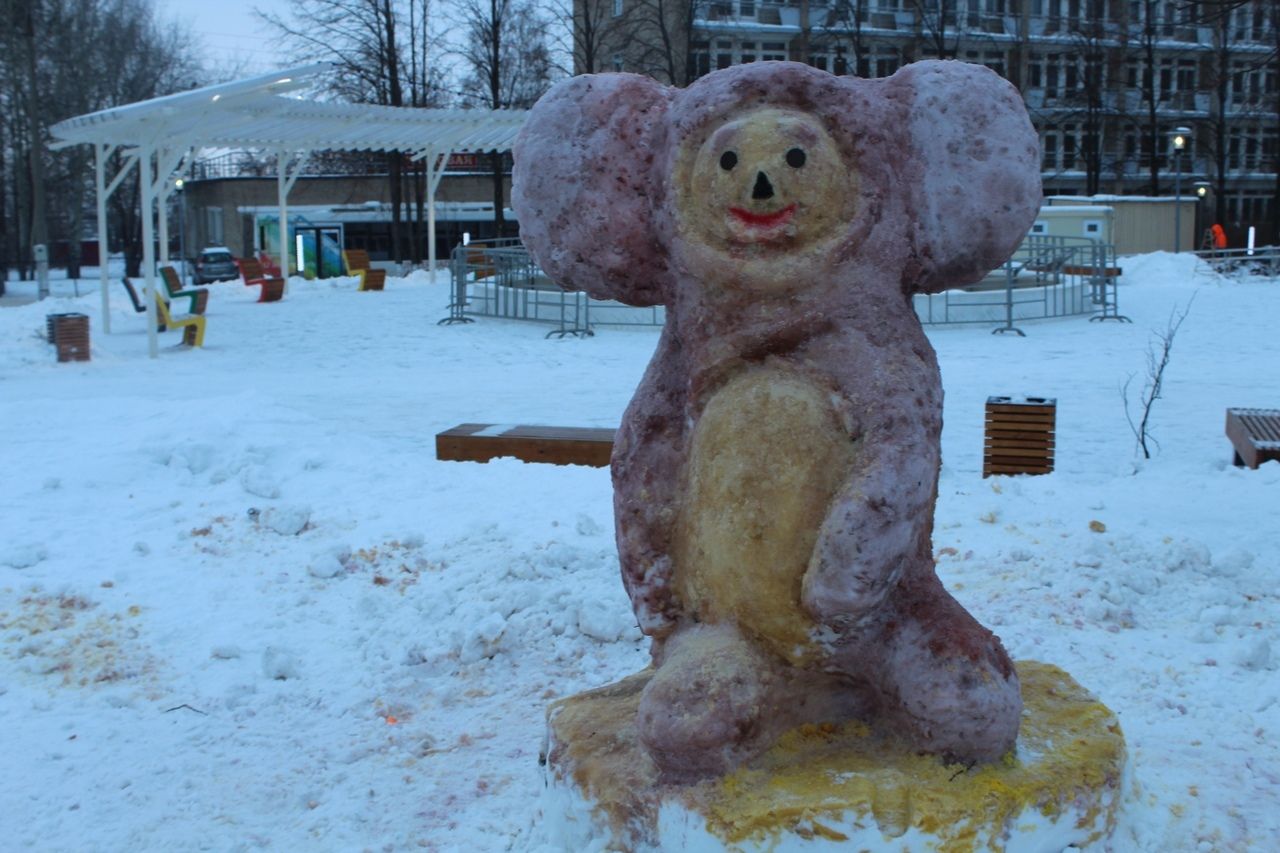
[773,50]
[992,59]
[1049,145]
[701,52]
[213,226]
[617,8]
[724,54]
[729,52]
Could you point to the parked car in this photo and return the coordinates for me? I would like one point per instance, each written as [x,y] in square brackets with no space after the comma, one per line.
[215,264]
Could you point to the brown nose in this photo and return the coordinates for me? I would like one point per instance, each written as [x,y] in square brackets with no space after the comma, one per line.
[762,189]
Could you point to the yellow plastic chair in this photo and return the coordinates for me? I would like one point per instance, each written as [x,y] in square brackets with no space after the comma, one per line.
[357,261]
[192,325]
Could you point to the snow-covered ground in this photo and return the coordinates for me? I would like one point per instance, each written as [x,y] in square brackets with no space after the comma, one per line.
[243,606]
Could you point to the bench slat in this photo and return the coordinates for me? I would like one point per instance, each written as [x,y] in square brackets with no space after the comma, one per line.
[1254,434]
[556,445]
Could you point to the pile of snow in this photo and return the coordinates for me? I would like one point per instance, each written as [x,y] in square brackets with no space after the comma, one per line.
[242,605]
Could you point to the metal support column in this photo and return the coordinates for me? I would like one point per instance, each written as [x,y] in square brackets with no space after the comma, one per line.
[146,187]
[285,179]
[162,207]
[436,164]
[100,154]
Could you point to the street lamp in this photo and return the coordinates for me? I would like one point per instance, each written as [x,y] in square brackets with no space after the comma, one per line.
[1202,192]
[182,226]
[1179,140]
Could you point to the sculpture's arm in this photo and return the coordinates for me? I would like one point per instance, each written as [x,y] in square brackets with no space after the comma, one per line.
[647,455]
[881,519]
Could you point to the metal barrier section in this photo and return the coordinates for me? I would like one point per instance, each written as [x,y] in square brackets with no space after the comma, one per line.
[1047,277]
[1240,263]
[499,279]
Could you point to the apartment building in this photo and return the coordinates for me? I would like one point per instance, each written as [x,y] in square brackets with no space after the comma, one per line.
[1107,82]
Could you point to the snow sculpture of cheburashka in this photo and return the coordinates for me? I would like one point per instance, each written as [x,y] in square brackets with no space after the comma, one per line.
[776,472]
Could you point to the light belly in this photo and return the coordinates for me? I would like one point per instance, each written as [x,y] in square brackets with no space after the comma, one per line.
[767,457]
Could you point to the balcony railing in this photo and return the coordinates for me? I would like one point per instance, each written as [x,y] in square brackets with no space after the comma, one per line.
[745,11]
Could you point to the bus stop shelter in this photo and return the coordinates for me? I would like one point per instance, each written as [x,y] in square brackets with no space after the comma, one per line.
[158,136]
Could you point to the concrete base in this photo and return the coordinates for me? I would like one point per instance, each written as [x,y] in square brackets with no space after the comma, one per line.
[848,787]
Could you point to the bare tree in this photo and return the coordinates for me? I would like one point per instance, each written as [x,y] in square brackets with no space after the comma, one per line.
[1146,50]
[1158,353]
[508,59]
[938,25]
[582,30]
[661,39]
[386,52]
[121,54]
[1088,93]
[841,35]
[1225,75]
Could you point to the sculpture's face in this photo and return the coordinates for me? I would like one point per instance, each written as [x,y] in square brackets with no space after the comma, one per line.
[770,182]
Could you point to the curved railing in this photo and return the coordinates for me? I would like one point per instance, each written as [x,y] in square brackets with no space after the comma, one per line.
[1047,277]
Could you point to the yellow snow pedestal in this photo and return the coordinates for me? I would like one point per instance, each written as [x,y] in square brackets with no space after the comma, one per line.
[846,787]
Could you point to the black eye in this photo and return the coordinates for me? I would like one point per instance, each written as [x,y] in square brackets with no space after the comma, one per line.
[728,160]
[795,158]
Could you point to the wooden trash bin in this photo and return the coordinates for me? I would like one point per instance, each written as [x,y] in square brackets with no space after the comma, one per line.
[70,334]
[1019,435]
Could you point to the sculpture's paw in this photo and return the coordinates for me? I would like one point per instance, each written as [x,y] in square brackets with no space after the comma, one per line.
[845,600]
[964,702]
[702,712]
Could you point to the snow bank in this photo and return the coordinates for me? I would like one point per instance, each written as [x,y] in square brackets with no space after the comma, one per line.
[242,606]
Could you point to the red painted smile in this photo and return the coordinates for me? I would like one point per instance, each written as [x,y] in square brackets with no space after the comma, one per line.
[763,220]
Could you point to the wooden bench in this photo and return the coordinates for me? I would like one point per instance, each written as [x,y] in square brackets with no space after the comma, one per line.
[134,297]
[358,263]
[272,288]
[1106,272]
[269,267]
[1255,435]
[557,445]
[478,262]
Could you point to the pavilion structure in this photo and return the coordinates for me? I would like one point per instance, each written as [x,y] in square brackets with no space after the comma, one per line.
[161,135]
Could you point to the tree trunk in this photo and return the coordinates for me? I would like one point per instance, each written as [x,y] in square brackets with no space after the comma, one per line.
[76,200]
[35,151]
[495,101]
[1149,91]
[5,254]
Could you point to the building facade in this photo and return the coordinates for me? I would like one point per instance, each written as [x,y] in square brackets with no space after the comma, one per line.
[224,203]
[1107,82]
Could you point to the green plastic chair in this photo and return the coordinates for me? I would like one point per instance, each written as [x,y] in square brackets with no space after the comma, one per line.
[199,296]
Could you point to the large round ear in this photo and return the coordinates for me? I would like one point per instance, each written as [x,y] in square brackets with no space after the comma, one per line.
[585,186]
[975,171]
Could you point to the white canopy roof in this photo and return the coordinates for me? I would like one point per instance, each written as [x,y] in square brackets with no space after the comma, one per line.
[156,135]
[254,113]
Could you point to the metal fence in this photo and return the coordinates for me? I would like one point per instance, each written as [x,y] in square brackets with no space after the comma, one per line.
[1047,277]
[1243,262]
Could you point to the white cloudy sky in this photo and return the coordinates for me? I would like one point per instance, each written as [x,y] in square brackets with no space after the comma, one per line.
[228,31]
